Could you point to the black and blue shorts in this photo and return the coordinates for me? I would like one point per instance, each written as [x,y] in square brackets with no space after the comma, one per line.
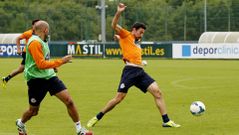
[134,76]
[23,58]
[38,88]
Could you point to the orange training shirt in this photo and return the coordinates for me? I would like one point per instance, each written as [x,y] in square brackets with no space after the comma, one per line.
[131,51]
[26,35]
[35,49]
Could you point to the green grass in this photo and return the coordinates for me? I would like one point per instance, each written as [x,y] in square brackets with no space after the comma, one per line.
[93,82]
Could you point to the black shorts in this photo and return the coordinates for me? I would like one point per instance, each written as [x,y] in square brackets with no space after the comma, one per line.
[23,58]
[38,88]
[134,76]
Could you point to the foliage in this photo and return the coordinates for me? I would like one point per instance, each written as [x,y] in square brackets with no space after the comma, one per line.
[80,20]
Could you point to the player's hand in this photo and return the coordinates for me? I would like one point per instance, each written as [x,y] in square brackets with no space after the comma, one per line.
[121,7]
[67,59]
[116,37]
[144,63]
[19,51]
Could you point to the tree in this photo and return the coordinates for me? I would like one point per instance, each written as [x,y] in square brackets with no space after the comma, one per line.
[78,20]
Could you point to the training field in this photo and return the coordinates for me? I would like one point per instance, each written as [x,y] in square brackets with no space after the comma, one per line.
[92,82]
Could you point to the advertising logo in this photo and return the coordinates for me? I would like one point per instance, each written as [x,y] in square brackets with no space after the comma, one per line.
[9,50]
[186,50]
[85,49]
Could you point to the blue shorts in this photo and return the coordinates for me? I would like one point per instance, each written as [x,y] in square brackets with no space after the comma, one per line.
[134,76]
[38,88]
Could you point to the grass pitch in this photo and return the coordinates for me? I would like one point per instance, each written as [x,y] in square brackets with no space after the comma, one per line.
[93,82]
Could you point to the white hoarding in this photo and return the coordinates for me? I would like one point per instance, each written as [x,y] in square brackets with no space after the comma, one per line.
[206,51]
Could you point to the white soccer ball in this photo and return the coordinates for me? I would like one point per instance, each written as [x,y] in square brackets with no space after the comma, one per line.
[144,63]
[197,108]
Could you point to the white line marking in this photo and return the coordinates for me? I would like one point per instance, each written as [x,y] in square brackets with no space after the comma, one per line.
[182,83]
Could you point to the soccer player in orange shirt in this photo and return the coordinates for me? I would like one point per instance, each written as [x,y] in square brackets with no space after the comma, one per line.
[133,73]
[26,35]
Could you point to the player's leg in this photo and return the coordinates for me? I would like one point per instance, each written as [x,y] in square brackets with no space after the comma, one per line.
[27,115]
[113,102]
[58,89]
[15,72]
[65,97]
[108,107]
[36,93]
[158,97]
[146,83]
[127,80]
[20,69]
[160,103]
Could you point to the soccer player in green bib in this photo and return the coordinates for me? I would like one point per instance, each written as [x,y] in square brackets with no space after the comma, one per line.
[41,78]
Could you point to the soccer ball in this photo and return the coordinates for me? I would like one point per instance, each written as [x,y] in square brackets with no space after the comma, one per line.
[197,108]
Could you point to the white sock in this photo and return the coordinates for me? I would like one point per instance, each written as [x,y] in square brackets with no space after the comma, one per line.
[20,122]
[78,126]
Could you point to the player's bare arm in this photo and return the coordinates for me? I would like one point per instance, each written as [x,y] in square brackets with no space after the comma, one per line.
[19,51]
[66,59]
[120,9]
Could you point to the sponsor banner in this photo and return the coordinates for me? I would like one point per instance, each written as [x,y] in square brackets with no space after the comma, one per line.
[82,50]
[207,51]
[113,50]
[9,50]
[157,50]
[148,50]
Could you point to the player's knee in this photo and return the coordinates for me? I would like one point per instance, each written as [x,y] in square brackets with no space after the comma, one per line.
[20,69]
[33,112]
[119,99]
[158,94]
[155,91]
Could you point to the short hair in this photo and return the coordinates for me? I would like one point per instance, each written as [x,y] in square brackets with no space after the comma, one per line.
[138,25]
[40,25]
[34,21]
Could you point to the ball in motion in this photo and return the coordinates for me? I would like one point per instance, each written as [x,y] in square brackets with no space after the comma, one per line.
[197,108]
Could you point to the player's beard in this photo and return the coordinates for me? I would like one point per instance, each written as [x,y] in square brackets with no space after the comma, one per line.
[138,39]
[46,37]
